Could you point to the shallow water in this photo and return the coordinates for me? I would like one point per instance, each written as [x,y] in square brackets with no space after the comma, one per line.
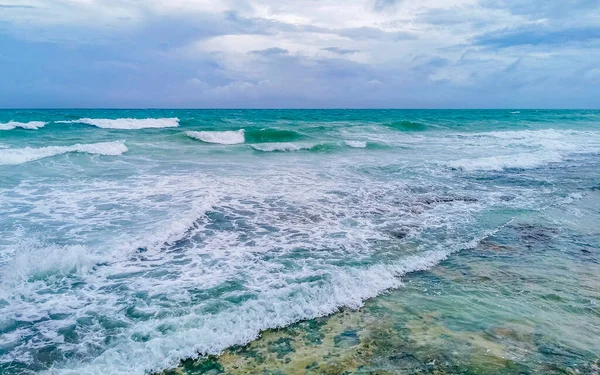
[524,301]
[131,240]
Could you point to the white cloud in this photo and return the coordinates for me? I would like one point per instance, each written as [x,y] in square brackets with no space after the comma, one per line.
[324,48]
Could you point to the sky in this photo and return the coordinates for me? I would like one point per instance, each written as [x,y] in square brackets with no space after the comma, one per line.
[300,54]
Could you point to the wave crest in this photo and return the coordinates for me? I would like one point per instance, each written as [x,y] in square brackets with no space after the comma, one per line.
[408,126]
[499,163]
[223,138]
[13,156]
[271,135]
[280,147]
[356,144]
[31,125]
[127,123]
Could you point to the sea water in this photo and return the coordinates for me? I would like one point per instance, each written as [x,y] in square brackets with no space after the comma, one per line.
[133,239]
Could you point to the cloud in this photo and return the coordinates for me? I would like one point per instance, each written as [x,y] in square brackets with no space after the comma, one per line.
[270,51]
[340,51]
[11,6]
[240,53]
[538,36]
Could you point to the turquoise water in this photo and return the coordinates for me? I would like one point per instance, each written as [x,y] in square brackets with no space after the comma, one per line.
[132,239]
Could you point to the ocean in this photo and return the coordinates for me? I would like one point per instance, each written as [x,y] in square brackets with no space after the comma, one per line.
[133,240]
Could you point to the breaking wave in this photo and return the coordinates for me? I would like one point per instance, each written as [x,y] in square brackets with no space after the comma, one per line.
[13,156]
[288,147]
[31,125]
[356,144]
[127,123]
[499,163]
[222,138]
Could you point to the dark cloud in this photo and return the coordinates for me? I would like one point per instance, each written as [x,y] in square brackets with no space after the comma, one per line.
[275,51]
[10,6]
[340,51]
[151,62]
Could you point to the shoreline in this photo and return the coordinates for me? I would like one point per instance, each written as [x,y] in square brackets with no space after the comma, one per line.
[441,321]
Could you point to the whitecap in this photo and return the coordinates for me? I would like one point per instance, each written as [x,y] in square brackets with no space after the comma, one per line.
[499,163]
[127,123]
[356,144]
[31,125]
[223,138]
[12,156]
[281,147]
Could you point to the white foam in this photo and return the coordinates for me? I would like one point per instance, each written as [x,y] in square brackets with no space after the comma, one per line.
[31,125]
[500,150]
[12,156]
[127,123]
[223,138]
[34,259]
[356,144]
[196,333]
[280,147]
[316,240]
[498,163]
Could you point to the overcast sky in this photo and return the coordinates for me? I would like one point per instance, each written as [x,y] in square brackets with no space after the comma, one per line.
[301,53]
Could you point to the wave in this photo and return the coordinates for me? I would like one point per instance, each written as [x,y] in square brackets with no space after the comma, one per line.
[408,126]
[288,147]
[13,156]
[223,138]
[287,305]
[356,144]
[31,125]
[126,123]
[279,147]
[499,163]
[271,135]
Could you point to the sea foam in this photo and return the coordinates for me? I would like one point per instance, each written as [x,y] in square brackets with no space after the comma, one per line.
[516,161]
[223,138]
[31,125]
[14,156]
[356,144]
[281,147]
[127,123]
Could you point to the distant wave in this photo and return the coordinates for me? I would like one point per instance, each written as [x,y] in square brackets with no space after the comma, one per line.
[31,125]
[356,144]
[127,123]
[408,126]
[223,138]
[231,137]
[499,163]
[271,135]
[281,147]
[12,156]
[288,147]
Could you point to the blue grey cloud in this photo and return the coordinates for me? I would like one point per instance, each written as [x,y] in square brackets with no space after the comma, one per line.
[152,54]
[538,36]
[270,51]
[12,6]
[340,51]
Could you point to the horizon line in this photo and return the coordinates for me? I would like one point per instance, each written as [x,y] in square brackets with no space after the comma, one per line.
[304,108]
